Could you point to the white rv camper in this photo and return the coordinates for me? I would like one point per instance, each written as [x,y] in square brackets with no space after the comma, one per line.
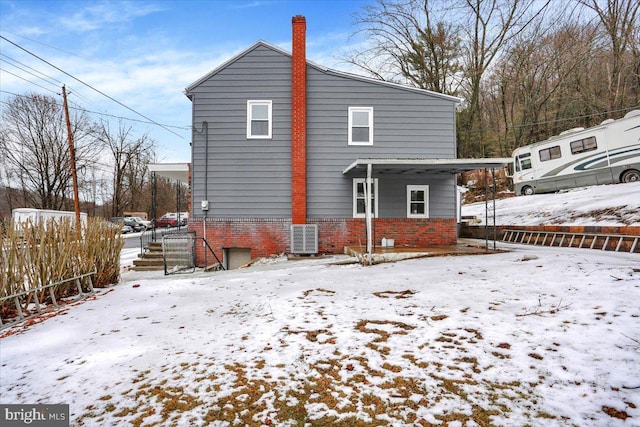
[604,154]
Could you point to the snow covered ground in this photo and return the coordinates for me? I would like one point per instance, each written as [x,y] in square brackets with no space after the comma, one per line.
[532,336]
[598,205]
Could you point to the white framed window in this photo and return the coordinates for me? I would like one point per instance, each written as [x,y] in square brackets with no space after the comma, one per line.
[360,125]
[360,200]
[417,201]
[259,119]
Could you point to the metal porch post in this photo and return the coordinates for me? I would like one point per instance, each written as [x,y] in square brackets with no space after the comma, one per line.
[368,211]
[154,195]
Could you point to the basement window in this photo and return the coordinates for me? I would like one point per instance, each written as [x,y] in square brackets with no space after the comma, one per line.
[360,125]
[259,120]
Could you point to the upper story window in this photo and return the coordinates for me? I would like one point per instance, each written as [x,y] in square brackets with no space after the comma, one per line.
[259,119]
[582,145]
[360,197]
[417,201]
[550,153]
[360,125]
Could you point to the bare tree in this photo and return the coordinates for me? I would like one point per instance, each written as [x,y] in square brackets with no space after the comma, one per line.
[408,43]
[444,46]
[35,150]
[532,86]
[131,157]
[635,63]
[619,18]
[489,25]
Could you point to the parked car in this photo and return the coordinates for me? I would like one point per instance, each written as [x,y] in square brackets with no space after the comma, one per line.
[170,219]
[164,222]
[126,229]
[147,224]
[135,225]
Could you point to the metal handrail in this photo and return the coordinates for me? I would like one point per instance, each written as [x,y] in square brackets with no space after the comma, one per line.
[150,235]
[145,239]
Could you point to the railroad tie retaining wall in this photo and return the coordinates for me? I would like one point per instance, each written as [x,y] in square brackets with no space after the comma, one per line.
[613,238]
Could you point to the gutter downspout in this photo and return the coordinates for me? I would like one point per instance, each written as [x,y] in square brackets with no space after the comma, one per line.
[205,130]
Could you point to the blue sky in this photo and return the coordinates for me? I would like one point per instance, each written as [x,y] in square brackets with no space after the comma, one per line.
[144,53]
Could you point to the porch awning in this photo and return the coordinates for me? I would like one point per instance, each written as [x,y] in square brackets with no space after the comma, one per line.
[416,166]
[370,168]
[177,171]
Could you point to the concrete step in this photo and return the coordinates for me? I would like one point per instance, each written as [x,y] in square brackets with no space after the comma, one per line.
[151,255]
[148,262]
[147,268]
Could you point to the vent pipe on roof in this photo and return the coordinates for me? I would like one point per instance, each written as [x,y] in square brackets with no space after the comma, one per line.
[298,121]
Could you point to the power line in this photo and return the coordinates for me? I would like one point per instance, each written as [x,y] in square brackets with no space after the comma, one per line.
[75,93]
[91,87]
[47,78]
[12,62]
[71,90]
[130,119]
[47,45]
[96,112]
[568,119]
[29,81]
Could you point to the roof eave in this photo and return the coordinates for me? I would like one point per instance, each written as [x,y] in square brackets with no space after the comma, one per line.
[352,76]
[318,67]
[426,164]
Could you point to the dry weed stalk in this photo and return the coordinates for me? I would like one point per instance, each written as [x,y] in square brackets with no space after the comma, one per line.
[36,255]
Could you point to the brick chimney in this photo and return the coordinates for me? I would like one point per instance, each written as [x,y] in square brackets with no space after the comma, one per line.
[298,121]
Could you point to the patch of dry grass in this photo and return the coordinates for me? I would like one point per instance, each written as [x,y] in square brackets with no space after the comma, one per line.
[365,386]
[340,391]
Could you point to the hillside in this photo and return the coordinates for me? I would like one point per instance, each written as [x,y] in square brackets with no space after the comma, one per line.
[612,205]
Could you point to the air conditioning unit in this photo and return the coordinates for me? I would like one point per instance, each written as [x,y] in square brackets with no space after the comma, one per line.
[304,238]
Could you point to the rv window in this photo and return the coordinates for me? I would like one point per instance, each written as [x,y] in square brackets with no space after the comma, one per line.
[550,153]
[523,161]
[582,145]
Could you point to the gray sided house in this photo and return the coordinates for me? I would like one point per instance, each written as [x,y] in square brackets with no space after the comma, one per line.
[282,149]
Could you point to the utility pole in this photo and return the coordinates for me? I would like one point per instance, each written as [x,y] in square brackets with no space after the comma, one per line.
[72,155]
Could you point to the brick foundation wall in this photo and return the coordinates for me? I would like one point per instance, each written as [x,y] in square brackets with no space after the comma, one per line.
[271,236]
[264,236]
[335,234]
